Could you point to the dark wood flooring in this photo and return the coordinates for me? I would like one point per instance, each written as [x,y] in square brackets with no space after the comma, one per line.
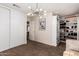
[35,49]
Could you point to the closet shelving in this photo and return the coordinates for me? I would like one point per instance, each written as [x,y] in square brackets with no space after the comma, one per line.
[62,30]
[68,30]
[71,30]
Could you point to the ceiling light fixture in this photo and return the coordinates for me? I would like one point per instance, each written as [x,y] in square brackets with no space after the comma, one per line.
[37,11]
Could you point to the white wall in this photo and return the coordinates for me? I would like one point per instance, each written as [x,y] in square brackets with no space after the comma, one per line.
[4,29]
[48,36]
[13,28]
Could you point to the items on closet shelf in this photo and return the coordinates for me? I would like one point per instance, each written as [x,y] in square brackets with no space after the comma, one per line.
[68,29]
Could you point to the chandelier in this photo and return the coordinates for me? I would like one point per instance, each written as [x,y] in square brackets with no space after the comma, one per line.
[36,11]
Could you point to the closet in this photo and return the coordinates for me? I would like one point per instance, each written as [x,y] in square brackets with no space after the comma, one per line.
[12,28]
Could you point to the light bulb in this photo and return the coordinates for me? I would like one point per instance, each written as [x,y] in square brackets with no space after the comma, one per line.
[29,14]
[40,16]
[37,10]
[45,14]
[45,11]
[29,7]
[41,9]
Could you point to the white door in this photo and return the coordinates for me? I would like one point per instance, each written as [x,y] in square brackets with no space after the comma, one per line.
[18,29]
[4,29]
[32,30]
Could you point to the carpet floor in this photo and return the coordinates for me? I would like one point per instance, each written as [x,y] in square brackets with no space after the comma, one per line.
[35,49]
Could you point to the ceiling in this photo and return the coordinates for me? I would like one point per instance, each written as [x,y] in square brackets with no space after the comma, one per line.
[62,9]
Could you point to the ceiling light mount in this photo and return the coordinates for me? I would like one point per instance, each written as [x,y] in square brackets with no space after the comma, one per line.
[16,5]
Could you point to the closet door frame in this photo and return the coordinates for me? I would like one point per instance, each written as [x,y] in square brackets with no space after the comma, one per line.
[77,28]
